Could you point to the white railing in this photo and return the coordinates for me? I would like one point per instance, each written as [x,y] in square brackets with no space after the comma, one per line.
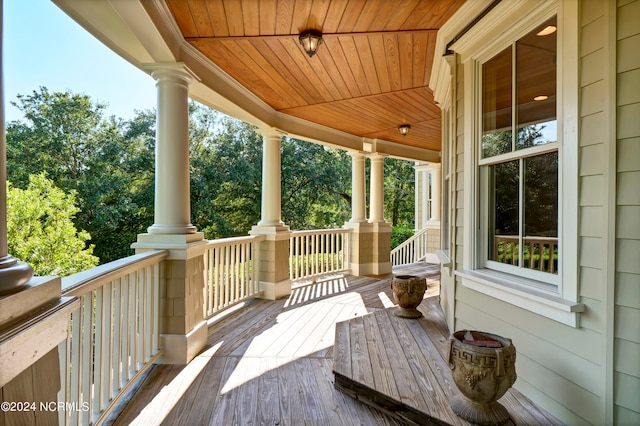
[231,272]
[539,253]
[316,253]
[412,250]
[113,336]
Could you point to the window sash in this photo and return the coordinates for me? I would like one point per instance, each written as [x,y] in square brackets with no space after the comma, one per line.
[516,153]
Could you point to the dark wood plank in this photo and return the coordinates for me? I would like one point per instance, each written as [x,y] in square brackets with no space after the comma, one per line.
[421,363]
[360,360]
[407,387]
[383,374]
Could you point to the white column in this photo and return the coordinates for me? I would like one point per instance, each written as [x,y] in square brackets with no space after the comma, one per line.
[172,194]
[274,250]
[377,189]
[13,273]
[436,177]
[271,212]
[358,209]
[422,213]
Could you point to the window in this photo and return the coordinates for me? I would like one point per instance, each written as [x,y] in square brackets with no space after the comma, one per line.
[520,169]
[519,157]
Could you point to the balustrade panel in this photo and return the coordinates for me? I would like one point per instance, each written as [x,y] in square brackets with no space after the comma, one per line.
[113,335]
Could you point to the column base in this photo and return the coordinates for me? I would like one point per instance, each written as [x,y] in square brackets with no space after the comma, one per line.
[180,246]
[275,291]
[182,348]
[270,229]
[171,229]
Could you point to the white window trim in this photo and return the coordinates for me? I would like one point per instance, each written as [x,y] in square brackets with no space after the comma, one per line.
[508,22]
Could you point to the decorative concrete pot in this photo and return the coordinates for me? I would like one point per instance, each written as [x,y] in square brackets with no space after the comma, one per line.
[408,292]
[483,367]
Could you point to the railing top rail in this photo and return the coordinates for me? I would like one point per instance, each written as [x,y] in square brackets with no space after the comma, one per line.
[410,240]
[528,237]
[235,240]
[321,231]
[85,281]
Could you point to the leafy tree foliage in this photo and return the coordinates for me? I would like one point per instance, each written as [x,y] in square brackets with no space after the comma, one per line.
[41,230]
[226,178]
[399,188]
[540,174]
[108,163]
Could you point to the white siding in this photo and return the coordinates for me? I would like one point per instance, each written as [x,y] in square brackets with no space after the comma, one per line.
[627,310]
[568,370]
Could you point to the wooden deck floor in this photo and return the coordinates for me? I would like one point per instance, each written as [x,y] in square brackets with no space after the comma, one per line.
[270,363]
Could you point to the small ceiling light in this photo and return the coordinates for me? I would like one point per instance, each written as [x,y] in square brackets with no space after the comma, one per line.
[404,129]
[310,41]
[541,98]
[549,29]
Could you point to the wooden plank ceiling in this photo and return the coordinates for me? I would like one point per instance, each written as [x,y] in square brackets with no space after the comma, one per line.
[369,76]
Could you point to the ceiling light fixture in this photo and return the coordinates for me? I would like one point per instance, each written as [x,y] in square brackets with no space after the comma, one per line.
[404,129]
[549,29]
[310,41]
[541,98]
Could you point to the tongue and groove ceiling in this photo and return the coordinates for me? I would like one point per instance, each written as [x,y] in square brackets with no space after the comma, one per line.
[369,76]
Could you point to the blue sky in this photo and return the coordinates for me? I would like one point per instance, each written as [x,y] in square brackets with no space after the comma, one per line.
[44,47]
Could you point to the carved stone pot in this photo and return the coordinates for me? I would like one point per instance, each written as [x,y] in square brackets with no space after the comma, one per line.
[408,292]
[483,367]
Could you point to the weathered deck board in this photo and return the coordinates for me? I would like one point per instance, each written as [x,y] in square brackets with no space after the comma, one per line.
[414,384]
[271,362]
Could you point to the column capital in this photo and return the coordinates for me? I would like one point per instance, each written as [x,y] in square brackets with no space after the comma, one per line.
[356,154]
[177,70]
[271,132]
[376,156]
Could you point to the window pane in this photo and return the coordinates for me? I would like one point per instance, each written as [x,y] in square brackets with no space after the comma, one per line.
[496,105]
[504,212]
[541,212]
[536,86]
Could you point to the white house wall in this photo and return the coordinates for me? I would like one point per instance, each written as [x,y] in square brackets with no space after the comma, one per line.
[588,374]
[627,291]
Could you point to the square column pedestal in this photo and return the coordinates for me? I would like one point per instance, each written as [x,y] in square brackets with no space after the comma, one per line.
[33,322]
[370,248]
[275,280]
[183,330]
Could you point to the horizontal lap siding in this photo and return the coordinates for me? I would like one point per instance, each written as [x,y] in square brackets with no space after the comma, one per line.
[627,311]
[561,367]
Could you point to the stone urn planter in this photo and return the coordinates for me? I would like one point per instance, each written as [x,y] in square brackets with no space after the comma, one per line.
[408,292]
[483,367]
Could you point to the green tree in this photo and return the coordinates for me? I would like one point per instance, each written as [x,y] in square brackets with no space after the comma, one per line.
[399,192]
[59,135]
[316,182]
[41,230]
[108,162]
